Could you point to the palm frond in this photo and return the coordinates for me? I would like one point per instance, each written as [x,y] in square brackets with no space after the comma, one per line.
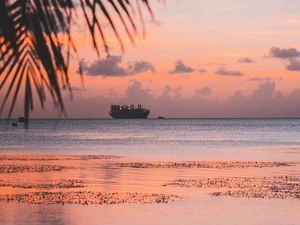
[33,53]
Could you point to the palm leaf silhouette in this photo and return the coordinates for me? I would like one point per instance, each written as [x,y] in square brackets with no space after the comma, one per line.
[32,52]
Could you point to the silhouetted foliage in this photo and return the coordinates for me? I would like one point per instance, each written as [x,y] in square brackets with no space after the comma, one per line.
[36,41]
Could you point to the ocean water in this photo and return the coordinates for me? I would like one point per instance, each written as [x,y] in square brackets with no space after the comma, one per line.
[152,138]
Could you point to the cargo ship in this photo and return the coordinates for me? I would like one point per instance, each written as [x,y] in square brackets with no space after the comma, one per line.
[128,112]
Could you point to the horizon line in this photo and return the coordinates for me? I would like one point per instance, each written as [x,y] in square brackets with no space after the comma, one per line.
[154,118]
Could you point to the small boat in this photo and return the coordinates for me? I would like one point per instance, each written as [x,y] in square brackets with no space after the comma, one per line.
[14,124]
[161,118]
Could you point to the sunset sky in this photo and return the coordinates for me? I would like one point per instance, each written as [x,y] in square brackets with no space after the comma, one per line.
[219,58]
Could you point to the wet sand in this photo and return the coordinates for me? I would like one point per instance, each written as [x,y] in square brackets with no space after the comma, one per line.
[281,187]
[64,184]
[44,157]
[107,180]
[87,198]
[205,164]
[25,168]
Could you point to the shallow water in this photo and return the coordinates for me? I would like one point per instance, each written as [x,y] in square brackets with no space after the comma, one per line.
[208,211]
[197,206]
[154,140]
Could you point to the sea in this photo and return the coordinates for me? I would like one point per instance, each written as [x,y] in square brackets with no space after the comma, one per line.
[157,138]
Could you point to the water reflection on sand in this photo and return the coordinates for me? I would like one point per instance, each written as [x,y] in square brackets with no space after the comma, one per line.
[133,194]
[204,210]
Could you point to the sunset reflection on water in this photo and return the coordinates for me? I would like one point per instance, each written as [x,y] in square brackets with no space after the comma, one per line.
[104,175]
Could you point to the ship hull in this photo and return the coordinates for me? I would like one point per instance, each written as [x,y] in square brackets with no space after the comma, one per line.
[129,115]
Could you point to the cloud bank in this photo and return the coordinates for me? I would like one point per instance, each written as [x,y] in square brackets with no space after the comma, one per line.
[140,67]
[180,67]
[246,60]
[261,79]
[111,66]
[223,72]
[264,101]
[284,53]
[205,91]
[294,65]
